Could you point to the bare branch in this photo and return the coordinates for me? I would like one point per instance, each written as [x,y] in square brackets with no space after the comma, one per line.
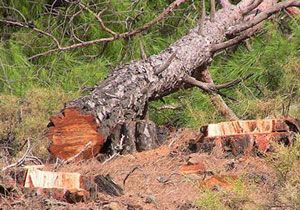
[207,87]
[252,6]
[18,11]
[210,87]
[125,35]
[166,64]
[222,107]
[245,35]
[262,16]
[212,10]
[97,16]
[214,94]
[159,18]
[225,3]
[21,160]
[142,49]
[233,83]
[201,17]
[25,25]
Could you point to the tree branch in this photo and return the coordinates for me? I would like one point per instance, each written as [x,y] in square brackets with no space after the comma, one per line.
[201,17]
[252,6]
[225,3]
[245,35]
[262,16]
[212,10]
[166,64]
[124,35]
[99,19]
[25,25]
[210,87]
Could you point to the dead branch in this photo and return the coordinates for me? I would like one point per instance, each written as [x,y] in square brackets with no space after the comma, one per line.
[216,97]
[233,83]
[25,25]
[130,172]
[21,160]
[254,4]
[211,87]
[201,17]
[142,50]
[262,16]
[231,42]
[207,87]
[166,64]
[99,19]
[124,35]
[212,10]
[225,3]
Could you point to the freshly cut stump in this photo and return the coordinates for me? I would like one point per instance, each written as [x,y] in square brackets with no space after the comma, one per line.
[74,133]
[245,136]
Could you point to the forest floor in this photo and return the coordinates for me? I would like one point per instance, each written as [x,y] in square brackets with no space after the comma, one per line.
[175,176]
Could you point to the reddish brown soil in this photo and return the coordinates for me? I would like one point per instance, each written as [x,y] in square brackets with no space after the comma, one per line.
[158,180]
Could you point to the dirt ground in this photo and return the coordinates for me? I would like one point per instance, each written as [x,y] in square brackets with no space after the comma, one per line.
[161,179]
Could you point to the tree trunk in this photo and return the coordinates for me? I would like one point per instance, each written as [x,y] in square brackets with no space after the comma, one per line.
[123,97]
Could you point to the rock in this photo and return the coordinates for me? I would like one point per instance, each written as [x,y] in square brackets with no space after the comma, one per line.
[112,206]
[150,199]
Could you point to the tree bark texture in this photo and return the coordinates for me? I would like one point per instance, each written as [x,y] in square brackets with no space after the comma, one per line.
[124,95]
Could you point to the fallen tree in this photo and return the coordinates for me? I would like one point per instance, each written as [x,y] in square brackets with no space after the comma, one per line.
[114,112]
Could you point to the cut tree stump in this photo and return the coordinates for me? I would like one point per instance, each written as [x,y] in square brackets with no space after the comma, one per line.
[70,131]
[243,136]
[65,186]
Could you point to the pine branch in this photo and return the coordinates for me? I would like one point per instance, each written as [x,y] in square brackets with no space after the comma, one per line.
[262,16]
[124,35]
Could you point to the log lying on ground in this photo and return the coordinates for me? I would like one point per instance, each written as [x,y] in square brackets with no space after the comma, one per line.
[123,97]
[246,136]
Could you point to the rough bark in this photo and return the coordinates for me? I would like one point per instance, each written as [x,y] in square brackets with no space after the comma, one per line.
[125,94]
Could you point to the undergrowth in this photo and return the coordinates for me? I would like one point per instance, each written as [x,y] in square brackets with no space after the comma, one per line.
[236,197]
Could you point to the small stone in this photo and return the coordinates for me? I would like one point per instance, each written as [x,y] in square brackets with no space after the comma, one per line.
[150,199]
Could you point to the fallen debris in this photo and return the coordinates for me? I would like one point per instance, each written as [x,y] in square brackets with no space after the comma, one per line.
[193,168]
[220,181]
[244,136]
[107,185]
